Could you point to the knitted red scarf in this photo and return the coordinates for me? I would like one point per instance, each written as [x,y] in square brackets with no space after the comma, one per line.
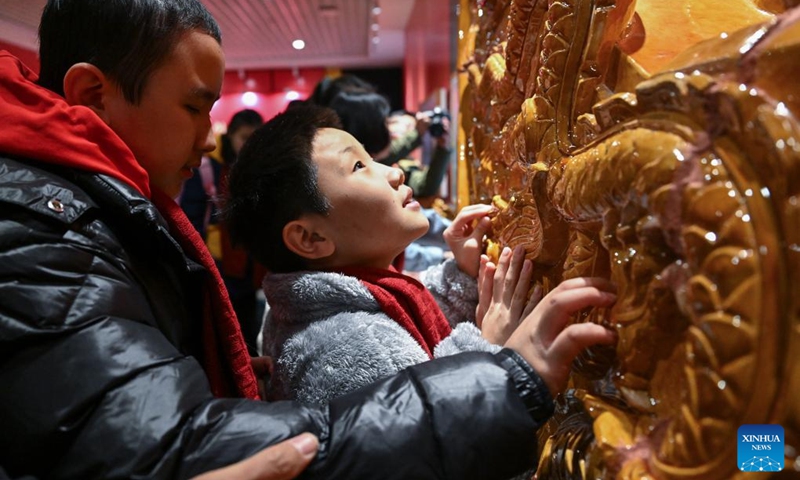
[407,302]
[39,125]
[225,357]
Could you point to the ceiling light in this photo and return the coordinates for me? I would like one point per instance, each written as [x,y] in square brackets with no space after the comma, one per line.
[249,99]
[299,44]
[376,10]
[292,95]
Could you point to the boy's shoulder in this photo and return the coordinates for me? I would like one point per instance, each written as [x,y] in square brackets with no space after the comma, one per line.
[307,296]
[42,190]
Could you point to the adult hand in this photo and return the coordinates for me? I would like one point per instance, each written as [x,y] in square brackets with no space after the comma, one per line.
[283,461]
[547,343]
[502,294]
[466,240]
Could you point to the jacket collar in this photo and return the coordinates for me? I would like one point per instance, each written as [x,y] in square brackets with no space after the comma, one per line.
[303,297]
[65,135]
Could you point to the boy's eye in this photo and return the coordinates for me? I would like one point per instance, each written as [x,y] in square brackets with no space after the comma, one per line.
[192,109]
[358,166]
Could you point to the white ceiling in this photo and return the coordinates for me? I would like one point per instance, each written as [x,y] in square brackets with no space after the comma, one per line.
[259,33]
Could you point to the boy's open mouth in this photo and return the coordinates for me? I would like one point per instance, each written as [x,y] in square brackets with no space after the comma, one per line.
[409,198]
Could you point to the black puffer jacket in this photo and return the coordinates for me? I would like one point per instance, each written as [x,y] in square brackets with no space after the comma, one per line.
[99,379]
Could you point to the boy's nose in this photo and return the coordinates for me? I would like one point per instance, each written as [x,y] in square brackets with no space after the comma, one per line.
[396,177]
[209,143]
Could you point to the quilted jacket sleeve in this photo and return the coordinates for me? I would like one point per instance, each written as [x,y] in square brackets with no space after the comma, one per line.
[468,416]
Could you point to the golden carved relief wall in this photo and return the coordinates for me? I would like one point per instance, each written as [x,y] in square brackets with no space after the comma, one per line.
[655,143]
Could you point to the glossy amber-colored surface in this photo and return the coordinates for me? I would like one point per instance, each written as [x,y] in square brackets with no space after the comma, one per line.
[656,144]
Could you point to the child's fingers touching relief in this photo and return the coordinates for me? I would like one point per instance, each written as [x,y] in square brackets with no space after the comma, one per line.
[559,306]
[514,274]
[519,300]
[535,298]
[578,282]
[471,213]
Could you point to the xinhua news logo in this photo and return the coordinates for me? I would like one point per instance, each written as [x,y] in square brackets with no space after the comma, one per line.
[760,448]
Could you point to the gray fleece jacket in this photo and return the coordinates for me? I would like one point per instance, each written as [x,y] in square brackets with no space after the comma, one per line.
[328,336]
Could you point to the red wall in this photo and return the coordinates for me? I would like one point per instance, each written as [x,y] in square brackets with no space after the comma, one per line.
[28,57]
[270,88]
[427,57]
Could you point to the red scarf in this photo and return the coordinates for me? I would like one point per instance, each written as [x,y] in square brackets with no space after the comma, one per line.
[39,125]
[407,302]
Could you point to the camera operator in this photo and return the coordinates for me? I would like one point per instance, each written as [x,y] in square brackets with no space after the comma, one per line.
[407,132]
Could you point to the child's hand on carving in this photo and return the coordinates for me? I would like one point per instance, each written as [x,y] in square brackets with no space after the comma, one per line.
[502,292]
[466,240]
[547,343]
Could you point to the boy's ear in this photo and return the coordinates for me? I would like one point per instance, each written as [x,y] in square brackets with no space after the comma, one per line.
[85,84]
[301,237]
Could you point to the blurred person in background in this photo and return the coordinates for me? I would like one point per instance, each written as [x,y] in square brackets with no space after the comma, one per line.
[362,110]
[426,170]
[200,199]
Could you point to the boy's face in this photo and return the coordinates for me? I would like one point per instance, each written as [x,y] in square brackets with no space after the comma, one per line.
[373,216]
[170,129]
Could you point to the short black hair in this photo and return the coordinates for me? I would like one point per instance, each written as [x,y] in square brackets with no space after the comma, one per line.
[363,115]
[361,108]
[274,182]
[126,39]
[327,89]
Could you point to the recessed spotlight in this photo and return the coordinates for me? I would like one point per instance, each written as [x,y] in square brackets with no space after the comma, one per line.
[292,95]
[249,99]
[375,27]
[376,10]
[299,44]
